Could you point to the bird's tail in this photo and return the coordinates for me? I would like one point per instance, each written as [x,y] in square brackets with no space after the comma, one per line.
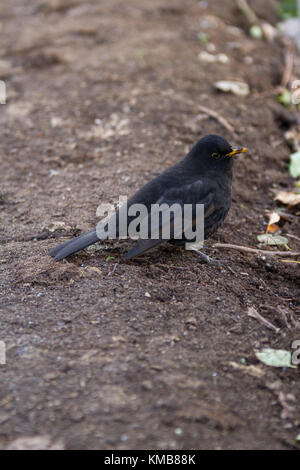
[72,246]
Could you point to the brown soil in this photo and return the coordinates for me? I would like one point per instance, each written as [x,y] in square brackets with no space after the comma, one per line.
[108,354]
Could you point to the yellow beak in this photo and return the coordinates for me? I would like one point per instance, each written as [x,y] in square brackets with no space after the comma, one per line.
[236,151]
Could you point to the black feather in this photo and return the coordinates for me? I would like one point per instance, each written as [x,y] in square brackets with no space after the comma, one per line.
[75,245]
[198,179]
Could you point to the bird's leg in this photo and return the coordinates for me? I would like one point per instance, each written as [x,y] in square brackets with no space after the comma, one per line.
[208,260]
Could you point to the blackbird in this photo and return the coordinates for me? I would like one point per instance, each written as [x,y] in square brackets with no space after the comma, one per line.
[204,176]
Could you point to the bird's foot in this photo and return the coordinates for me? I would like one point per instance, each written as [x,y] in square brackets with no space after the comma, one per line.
[211,261]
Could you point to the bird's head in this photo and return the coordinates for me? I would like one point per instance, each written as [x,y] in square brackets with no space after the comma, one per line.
[213,151]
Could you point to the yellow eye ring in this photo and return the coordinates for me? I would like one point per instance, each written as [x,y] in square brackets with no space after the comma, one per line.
[216,156]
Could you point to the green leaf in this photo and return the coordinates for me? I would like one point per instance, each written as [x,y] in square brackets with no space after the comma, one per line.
[203,38]
[285,98]
[109,258]
[294,166]
[94,248]
[287,9]
[275,358]
[256,32]
[272,240]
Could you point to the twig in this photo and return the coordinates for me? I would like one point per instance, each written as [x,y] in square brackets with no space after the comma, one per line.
[254,314]
[293,236]
[284,316]
[114,268]
[245,249]
[289,261]
[265,94]
[221,120]
[247,11]
[289,63]
[291,322]
[287,75]
[288,218]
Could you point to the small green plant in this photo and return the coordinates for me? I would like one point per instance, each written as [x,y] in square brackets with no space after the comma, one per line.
[203,38]
[256,32]
[294,166]
[285,98]
[287,9]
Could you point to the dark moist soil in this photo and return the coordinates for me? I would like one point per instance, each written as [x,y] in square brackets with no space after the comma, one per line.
[159,352]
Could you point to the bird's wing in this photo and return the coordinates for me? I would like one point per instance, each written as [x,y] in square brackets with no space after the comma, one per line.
[194,193]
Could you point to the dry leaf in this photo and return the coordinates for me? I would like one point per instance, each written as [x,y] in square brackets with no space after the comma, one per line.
[290,199]
[275,357]
[251,370]
[292,136]
[43,442]
[272,225]
[237,88]
[207,57]
[272,240]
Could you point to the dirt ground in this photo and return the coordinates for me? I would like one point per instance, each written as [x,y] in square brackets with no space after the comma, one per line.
[159,352]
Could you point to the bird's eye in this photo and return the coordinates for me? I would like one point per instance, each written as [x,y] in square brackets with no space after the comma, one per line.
[216,156]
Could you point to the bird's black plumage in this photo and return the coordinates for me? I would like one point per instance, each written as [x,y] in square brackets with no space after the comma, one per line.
[204,176]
